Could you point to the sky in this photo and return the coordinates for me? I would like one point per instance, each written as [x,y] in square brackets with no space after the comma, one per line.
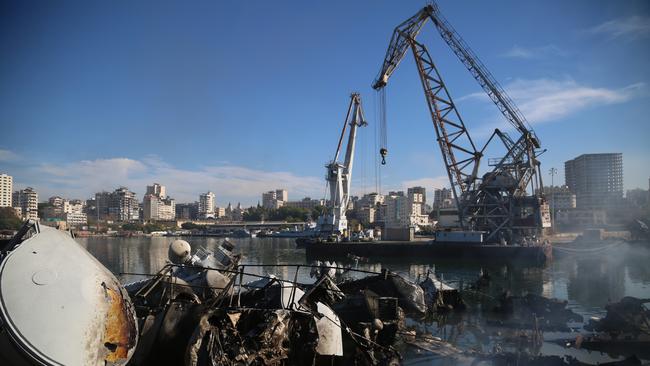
[241,97]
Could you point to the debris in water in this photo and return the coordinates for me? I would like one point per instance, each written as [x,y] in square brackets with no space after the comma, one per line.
[532,311]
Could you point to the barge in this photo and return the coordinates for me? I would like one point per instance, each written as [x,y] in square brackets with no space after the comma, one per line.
[430,249]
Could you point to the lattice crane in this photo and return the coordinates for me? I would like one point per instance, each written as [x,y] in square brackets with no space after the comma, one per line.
[499,201]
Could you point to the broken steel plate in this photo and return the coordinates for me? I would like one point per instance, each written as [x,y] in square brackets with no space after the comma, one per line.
[60,306]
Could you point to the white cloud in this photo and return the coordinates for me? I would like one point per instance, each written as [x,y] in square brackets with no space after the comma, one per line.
[8,156]
[542,100]
[632,27]
[230,183]
[533,52]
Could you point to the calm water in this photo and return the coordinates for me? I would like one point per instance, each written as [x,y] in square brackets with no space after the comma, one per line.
[587,281]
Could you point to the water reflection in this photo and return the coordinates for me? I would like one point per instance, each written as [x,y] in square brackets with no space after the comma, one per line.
[588,282]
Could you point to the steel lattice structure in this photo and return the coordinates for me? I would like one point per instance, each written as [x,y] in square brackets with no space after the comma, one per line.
[498,202]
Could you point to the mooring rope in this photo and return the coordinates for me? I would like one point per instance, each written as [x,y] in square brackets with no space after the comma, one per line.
[587,250]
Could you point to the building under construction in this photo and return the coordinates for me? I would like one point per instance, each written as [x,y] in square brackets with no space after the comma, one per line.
[596,179]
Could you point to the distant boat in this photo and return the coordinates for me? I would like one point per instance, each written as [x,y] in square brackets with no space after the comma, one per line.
[309,233]
[240,233]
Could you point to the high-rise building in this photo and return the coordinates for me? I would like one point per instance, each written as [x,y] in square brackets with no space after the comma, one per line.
[157,190]
[560,198]
[369,200]
[102,201]
[596,179]
[637,197]
[187,211]
[156,205]
[167,209]
[443,198]
[274,199]
[269,200]
[123,205]
[76,206]
[220,212]
[281,195]
[27,200]
[306,203]
[206,205]
[366,215]
[6,190]
[420,192]
[74,219]
[72,211]
[56,208]
[150,204]
[404,210]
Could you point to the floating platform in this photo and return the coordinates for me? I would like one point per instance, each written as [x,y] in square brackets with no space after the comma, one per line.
[428,249]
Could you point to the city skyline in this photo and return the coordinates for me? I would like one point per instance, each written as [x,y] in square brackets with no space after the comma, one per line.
[155,101]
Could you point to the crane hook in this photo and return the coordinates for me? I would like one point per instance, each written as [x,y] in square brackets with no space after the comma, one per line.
[383,152]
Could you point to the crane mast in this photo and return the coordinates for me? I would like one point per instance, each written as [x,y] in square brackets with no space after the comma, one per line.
[339,174]
[497,202]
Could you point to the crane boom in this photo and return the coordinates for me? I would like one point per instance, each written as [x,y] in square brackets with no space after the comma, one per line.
[485,79]
[410,29]
[339,174]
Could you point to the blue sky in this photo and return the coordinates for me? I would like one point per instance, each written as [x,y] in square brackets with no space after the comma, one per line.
[242,97]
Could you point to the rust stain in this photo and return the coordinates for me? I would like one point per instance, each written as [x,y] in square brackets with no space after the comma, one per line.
[119,335]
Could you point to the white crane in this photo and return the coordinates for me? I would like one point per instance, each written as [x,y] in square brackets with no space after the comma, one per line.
[339,175]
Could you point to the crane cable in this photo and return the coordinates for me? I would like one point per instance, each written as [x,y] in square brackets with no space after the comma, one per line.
[383,129]
[375,140]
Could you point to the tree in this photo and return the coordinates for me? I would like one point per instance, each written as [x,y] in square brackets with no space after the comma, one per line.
[132,226]
[8,219]
[291,214]
[317,211]
[154,226]
[192,226]
[255,214]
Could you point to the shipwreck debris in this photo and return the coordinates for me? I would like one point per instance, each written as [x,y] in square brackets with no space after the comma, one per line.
[409,294]
[440,297]
[532,311]
[205,308]
[625,330]
[55,313]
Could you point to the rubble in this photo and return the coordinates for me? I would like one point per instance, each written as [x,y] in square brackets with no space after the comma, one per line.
[508,359]
[440,297]
[626,318]
[205,309]
[625,330]
[198,310]
[532,311]
[410,296]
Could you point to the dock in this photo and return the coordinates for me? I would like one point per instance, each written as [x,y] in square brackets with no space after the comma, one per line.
[427,249]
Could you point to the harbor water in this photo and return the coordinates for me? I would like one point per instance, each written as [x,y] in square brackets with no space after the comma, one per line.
[586,280]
